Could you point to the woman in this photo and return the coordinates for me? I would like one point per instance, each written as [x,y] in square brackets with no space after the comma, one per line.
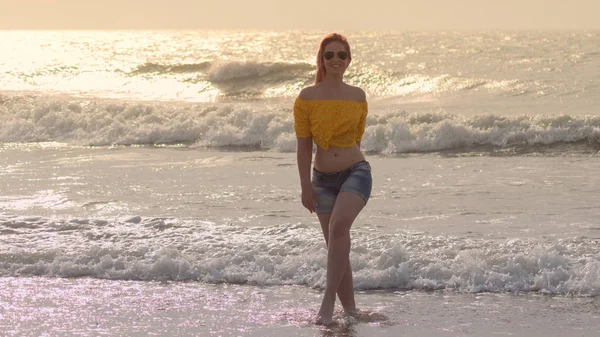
[332,114]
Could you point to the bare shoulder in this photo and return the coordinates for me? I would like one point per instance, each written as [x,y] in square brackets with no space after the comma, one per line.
[307,93]
[358,94]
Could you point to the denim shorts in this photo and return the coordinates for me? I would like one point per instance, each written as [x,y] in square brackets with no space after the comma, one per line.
[355,179]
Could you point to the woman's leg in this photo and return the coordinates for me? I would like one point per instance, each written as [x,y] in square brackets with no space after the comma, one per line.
[346,209]
[346,289]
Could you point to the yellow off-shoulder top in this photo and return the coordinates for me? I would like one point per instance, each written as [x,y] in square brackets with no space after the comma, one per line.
[339,123]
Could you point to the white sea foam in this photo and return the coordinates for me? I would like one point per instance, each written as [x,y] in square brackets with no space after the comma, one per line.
[218,125]
[169,249]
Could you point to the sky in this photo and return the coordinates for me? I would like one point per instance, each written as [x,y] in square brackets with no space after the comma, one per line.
[400,15]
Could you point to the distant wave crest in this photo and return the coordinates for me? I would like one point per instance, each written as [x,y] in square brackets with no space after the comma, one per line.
[231,71]
[227,70]
[235,78]
[150,67]
[254,78]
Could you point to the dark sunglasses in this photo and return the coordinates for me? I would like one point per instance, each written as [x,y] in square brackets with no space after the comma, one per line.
[328,55]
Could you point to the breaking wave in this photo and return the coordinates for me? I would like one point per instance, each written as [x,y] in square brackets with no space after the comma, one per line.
[263,126]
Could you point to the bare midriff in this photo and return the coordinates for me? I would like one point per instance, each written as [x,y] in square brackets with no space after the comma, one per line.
[336,159]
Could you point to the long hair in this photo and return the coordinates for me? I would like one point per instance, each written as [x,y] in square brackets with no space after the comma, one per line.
[321,71]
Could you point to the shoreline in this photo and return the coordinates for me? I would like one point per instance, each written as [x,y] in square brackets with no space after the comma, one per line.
[53,306]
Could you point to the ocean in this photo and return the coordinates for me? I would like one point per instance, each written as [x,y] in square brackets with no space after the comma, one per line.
[148,184]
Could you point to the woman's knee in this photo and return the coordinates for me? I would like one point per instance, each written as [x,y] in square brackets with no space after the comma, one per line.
[339,228]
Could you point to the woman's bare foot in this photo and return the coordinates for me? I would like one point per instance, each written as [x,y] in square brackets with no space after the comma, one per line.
[325,315]
[320,320]
[351,311]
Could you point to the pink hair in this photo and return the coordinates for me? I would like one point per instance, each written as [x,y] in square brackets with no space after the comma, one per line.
[327,40]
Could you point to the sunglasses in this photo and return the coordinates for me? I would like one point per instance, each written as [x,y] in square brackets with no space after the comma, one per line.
[328,55]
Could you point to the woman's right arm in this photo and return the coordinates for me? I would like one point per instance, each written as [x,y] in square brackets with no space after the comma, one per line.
[304,158]
[304,146]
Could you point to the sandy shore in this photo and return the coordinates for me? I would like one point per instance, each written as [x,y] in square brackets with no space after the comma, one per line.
[92,307]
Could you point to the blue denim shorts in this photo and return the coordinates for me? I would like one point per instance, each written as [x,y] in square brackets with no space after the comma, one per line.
[355,179]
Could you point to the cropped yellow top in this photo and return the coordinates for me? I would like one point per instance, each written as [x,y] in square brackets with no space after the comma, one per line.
[339,123]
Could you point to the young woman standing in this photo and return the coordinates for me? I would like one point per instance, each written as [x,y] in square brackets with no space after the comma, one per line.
[332,114]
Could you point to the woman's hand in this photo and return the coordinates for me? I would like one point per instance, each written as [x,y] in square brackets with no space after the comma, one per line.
[309,198]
